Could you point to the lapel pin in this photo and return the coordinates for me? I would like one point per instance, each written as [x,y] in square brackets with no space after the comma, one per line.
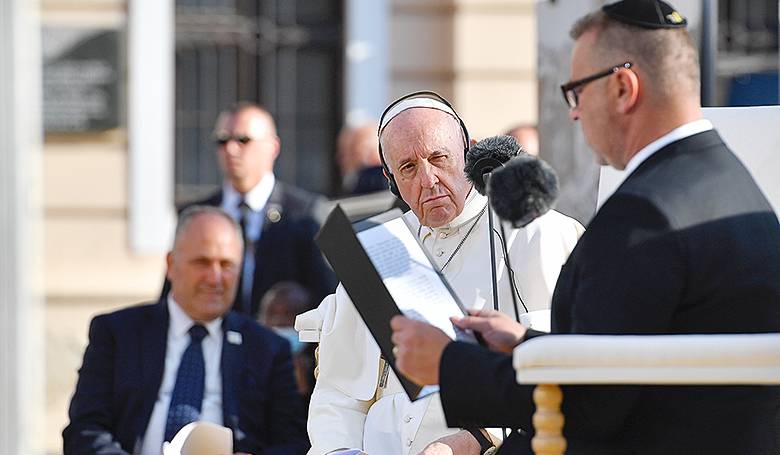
[234,337]
[274,213]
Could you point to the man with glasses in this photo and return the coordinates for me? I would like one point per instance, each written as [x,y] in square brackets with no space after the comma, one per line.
[276,219]
[687,244]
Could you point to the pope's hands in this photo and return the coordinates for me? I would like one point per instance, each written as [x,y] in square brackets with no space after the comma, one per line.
[418,349]
[419,346]
[460,443]
[501,333]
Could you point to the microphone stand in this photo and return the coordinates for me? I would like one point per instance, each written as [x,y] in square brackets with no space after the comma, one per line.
[486,177]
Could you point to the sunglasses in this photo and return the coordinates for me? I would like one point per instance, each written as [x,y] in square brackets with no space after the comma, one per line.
[223,140]
[571,89]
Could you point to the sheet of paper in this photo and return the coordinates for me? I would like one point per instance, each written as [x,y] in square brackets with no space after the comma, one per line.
[410,277]
[339,243]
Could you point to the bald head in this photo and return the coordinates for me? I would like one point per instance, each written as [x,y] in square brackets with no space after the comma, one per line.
[358,148]
[248,145]
[527,136]
[366,144]
[204,264]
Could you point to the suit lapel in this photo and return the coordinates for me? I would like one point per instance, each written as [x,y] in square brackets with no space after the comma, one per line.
[275,201]
[154,340]
[274,209]
[272,216]
[231,369]
[690,144]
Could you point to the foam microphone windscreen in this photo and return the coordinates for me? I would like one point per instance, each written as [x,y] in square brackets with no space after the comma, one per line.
[487,155]
[524,189]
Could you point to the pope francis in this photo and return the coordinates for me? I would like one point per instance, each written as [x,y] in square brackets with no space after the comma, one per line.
[358,403]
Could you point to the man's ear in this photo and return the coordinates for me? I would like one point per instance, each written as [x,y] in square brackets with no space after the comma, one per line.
[277,146]
[628,86]
[169,263]
[472,142]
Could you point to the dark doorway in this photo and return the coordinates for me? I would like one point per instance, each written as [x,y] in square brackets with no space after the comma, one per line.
[283,54]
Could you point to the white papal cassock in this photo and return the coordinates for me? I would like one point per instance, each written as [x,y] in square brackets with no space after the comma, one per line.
[348,408]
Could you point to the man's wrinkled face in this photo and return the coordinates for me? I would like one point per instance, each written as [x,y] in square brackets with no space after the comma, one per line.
[248,147]
[204,267]
[424,151]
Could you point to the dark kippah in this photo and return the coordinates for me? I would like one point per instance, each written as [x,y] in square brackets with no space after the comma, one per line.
[645,14]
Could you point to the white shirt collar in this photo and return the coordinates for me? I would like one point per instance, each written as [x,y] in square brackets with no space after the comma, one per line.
[473,206]
[681,132]
[179,322]
[256,198]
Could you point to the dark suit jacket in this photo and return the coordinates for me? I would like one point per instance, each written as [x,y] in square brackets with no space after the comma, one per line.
[122,372]
[286,250]
[687,244]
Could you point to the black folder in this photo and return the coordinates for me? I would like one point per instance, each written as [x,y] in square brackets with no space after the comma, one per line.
[341,247]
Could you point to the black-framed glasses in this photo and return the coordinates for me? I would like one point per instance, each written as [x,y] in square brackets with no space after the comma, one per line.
[571,89]
[223,140]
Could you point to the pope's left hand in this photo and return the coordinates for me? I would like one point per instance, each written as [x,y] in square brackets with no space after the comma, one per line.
[418,349]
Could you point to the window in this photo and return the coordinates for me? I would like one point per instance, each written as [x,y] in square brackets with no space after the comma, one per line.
[285,55]
[748,51]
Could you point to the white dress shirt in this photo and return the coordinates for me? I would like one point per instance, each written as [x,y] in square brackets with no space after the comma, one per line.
[256,199]
[681,132]
[347,410]
[178,339]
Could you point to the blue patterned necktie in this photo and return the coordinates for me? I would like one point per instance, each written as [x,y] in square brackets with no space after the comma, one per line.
[242,303]
[187,394]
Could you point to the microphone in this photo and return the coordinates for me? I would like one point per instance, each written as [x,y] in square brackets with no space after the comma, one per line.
[482,159]
[522,190]
[487,155]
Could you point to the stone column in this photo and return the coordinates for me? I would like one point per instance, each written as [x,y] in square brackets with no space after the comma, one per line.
[366,69]
[150,124]
[21,322]
[561,142]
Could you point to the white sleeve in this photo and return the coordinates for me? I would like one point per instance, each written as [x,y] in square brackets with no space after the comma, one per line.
[335,420]
[347,379]
[537,254]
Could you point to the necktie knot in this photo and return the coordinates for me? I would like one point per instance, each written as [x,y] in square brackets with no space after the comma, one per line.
[244,208]
[244,211]
[244,292]
[198,333]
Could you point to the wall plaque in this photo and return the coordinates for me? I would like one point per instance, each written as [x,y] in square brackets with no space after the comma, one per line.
[82,79]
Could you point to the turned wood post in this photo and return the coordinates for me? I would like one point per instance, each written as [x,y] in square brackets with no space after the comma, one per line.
[548,421]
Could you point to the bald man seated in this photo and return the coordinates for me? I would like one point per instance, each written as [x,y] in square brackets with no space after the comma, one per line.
[151,369]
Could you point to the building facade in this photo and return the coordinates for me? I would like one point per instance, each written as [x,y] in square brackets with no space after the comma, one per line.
[110,182]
